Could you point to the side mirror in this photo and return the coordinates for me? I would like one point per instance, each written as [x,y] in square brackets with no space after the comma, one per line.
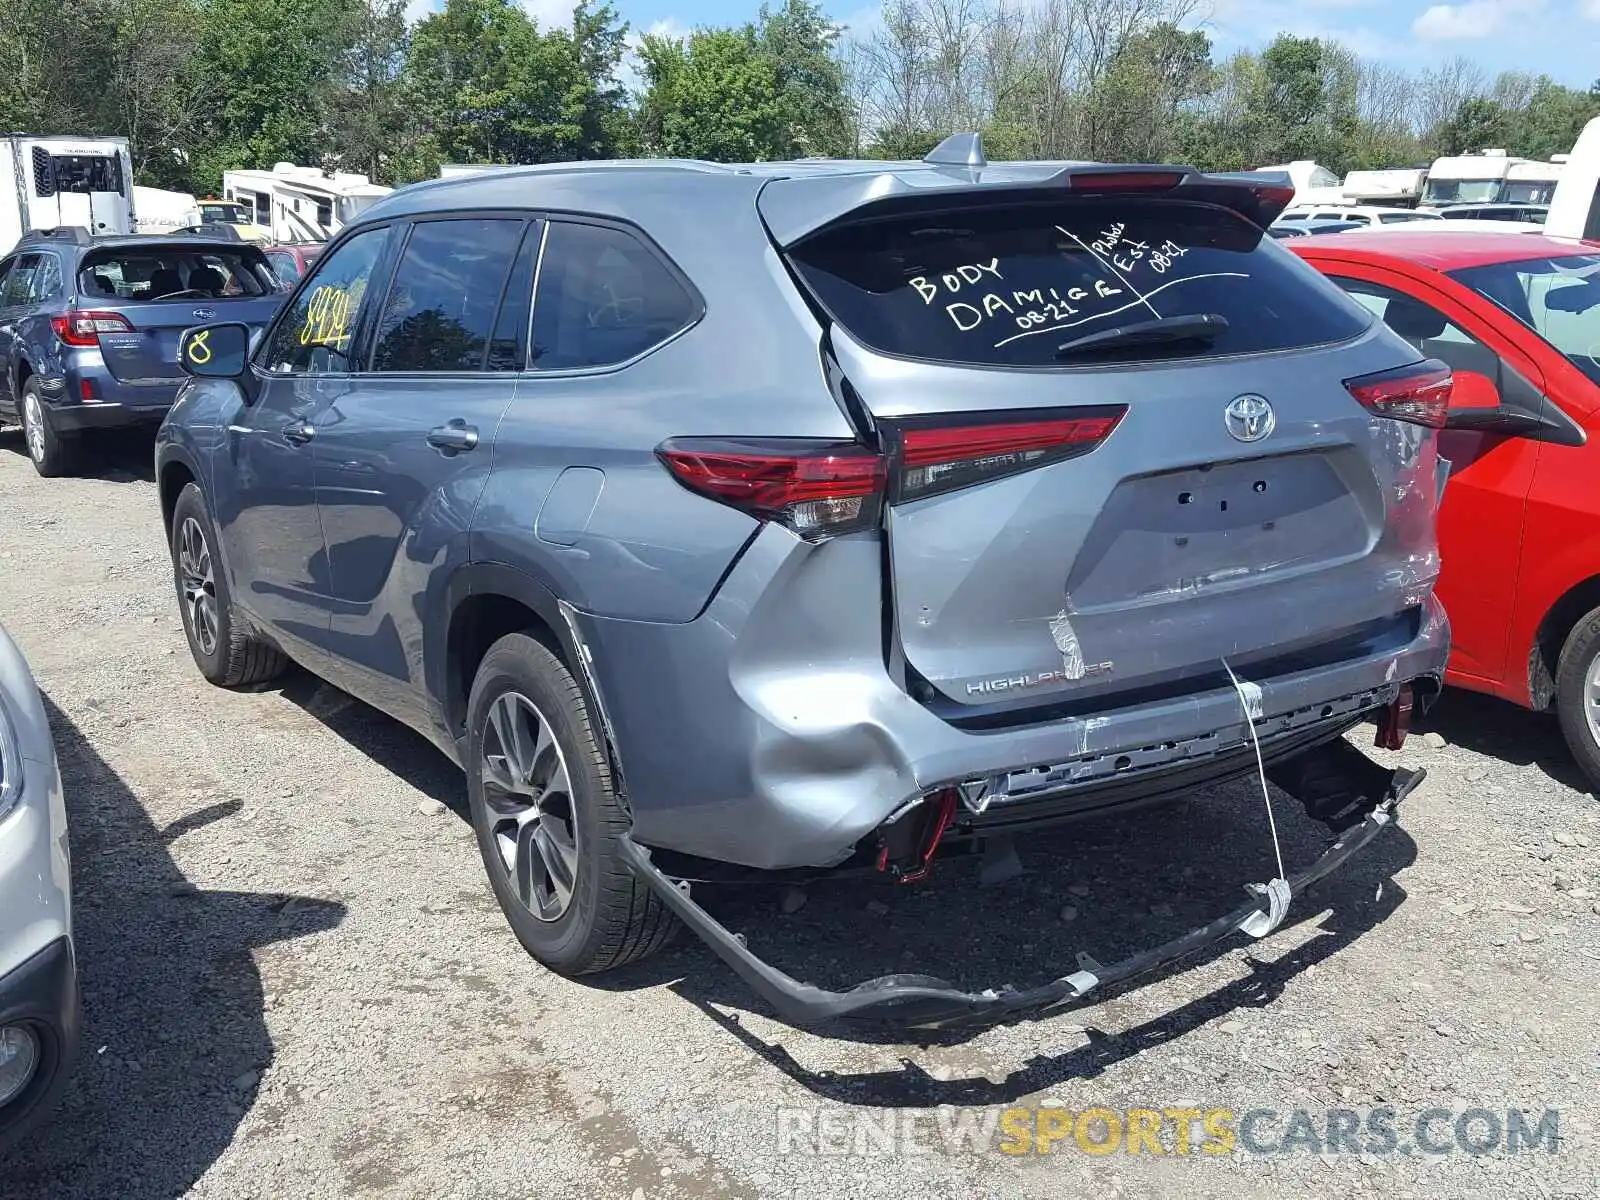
[215,351]
[1473,392]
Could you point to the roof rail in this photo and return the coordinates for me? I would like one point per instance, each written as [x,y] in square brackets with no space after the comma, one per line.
[958,150]
[76,234]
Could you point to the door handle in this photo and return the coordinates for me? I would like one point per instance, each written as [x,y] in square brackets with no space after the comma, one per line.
[299,435]
[454,437]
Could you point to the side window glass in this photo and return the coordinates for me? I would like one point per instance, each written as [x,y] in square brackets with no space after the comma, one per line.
[47,282]
[313,332]
[508,348]
[1432,333]
[440,311]
[603,299]
[19,283]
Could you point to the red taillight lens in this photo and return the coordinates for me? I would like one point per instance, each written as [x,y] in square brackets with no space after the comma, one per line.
[83,327]
[817,489]
[1419,393]
[948,457]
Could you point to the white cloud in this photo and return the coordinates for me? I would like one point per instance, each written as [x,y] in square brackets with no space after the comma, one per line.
[1474,19]
[419,10]
[1591,10]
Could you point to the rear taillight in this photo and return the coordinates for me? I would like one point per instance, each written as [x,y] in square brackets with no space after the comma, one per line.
[817,489]
[1419,393]
[822,489]
[947,457]
[83,327]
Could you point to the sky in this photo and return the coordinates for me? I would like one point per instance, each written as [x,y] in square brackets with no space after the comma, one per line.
[1560,38]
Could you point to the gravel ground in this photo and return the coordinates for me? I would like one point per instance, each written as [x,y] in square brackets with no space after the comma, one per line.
[296,982]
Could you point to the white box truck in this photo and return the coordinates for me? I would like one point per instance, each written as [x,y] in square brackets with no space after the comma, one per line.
[50,182]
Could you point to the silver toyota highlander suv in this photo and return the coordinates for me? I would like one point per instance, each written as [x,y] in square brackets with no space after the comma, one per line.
[735,519]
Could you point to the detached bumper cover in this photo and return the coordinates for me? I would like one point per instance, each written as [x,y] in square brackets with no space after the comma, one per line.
[1336,785]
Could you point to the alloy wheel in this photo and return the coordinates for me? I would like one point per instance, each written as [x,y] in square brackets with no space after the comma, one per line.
[1591,699]
[199,584]
[528,795]
[33,425]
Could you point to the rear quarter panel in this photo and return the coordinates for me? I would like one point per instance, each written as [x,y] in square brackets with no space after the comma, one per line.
[619,536]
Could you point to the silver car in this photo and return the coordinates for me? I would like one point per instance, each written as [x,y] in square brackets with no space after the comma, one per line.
[791,517]
[38,973]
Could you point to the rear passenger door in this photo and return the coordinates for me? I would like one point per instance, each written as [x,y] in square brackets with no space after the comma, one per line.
[403,453]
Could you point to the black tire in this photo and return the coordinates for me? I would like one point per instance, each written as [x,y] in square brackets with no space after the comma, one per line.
[1573,704]
[611,918]
[51,453]
[228,654]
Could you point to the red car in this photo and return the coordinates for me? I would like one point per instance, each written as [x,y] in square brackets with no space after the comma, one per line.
[292,260]
[1517,318]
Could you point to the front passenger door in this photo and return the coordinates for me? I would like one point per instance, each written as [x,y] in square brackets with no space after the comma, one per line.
[265,497]
[404,450]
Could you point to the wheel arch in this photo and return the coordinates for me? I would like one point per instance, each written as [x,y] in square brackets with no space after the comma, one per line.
[484,602]
[173,474]
[1558,622]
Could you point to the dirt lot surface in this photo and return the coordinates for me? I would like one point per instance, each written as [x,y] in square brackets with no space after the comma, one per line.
[296,981]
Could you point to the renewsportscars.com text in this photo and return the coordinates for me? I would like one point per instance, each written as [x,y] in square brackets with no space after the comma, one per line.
[1020,1131]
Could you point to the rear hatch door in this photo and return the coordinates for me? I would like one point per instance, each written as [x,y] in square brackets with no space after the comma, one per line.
[1078,521]
[165,286]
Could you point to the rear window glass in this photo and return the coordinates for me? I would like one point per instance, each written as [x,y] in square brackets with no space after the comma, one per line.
[1008,285]
[176,274]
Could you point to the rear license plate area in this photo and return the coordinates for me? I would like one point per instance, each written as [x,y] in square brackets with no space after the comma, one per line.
[1206,526]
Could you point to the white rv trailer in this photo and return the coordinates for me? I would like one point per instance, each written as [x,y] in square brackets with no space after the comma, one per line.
[50,182]
[1491,177]
[302,204]
[1394,187]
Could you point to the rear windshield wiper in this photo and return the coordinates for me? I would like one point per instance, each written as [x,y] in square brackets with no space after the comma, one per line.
[1192,327]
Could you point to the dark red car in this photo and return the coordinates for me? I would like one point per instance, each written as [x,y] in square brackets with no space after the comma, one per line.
[291,261]
[1517,318]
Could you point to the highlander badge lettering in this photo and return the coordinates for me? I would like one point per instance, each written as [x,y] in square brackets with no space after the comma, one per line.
[1249,418]
[1012,683]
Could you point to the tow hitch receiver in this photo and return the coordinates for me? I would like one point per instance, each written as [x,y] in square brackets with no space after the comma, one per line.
[1338,785]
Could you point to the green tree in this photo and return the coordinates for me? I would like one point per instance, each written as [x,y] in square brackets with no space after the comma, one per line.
[605,121]
[369,127]
[810,80]
[275,57]
[1131,113]
[1478,124]
[487,86]
[714,96]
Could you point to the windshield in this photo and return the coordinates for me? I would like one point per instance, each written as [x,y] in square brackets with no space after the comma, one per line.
[1464,191]
[1530,191]
[1558,298]
[223,214]
[1007,284]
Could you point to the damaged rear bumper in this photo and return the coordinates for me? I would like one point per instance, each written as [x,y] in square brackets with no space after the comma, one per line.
[1337,784]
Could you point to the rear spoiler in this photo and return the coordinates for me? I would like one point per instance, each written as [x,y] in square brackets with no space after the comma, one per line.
[798,208]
